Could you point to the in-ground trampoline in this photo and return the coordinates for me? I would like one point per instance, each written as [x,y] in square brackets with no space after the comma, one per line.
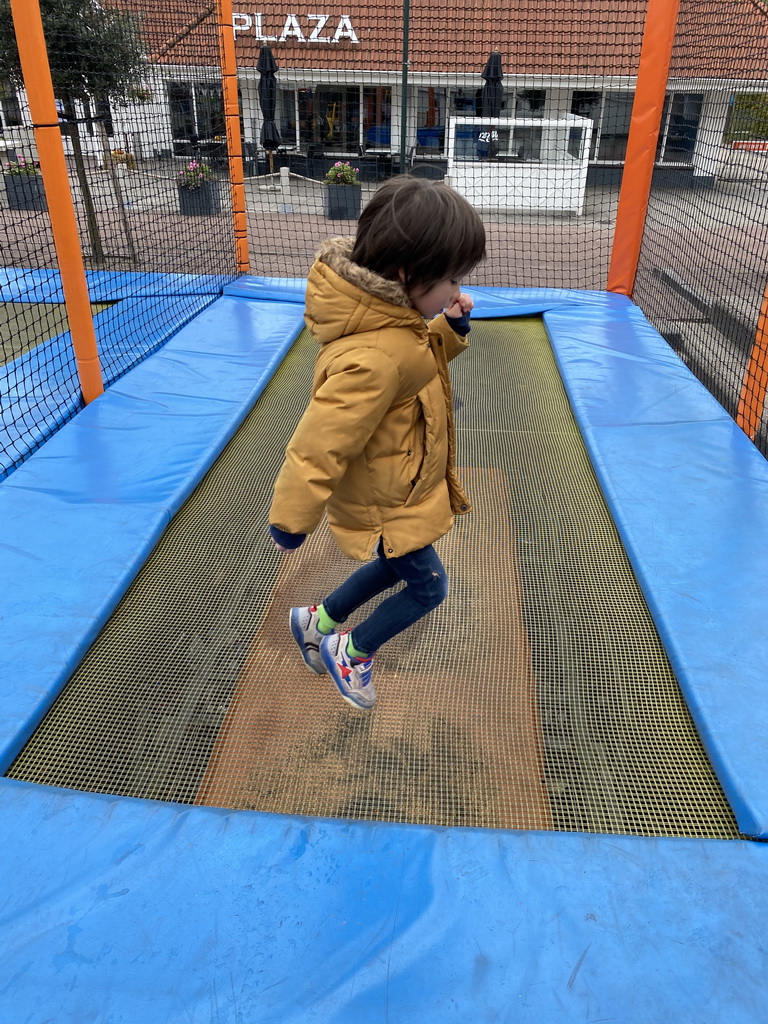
[563,788]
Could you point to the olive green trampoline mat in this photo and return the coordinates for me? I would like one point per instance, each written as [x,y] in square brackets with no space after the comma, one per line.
[538,696]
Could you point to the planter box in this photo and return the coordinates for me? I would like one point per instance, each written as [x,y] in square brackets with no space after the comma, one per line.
[200,202]
[25,192]
[342,202]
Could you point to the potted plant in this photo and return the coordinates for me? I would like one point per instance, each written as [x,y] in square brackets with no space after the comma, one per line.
[198,190]
[23,184]
[343,192]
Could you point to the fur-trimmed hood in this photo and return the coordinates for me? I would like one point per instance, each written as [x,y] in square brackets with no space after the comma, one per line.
[344,298]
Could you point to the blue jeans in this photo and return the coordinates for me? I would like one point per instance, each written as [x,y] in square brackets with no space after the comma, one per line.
[426,587]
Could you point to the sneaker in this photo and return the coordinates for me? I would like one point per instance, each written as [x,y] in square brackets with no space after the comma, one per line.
[308,637]
[352,677]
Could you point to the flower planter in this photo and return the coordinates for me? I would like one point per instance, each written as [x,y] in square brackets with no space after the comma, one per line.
[25,192]
[200,202]
[343,202]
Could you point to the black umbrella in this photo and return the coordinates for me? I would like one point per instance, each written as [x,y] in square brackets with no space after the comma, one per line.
[270,134]
[488,144]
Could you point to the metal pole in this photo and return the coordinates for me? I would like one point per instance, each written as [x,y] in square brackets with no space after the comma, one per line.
[404,85]
[30,39]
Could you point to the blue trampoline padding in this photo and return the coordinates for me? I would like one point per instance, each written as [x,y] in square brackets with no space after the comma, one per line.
[122,910]
[278,289]
[28,285]
[489,302]
[40,389]
[81,514]
[689,495]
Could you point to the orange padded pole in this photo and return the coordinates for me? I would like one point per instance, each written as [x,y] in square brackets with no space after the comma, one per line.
[652,73]
[755,386]
[28,25]
[234,143]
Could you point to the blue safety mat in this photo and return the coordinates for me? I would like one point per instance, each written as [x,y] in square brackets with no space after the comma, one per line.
[119,911]
[39,390]
[489,302]
[688,492]
[81,514]
[22,285]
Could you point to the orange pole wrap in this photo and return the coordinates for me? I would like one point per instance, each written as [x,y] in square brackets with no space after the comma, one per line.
[755,387]
[234,143]
[50,148]
[652,73]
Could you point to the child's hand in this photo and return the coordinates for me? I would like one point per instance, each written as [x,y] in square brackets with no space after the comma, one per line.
[280,546]
[462,305]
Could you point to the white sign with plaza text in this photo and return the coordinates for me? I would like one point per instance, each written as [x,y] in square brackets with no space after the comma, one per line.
[305,28]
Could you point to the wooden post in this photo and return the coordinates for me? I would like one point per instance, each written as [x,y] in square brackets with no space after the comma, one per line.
[33,54]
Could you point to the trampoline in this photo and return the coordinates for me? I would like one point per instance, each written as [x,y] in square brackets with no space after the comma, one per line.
[560,788]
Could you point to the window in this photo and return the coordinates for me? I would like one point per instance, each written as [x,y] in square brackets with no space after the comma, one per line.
[530,102]
[329,116]
[10,108]
[377,117]
[196,110]
[587,103]
[182,110]
[430,121]
[209,104]
[679,128]
[614,130]
[286,115]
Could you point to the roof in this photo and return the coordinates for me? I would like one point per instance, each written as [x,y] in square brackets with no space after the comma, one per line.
[715,38]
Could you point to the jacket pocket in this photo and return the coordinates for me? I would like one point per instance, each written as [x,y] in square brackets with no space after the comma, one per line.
[434,462]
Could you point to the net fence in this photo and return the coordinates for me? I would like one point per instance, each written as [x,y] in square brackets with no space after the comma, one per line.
[703,273]
[522,107]
[155,252]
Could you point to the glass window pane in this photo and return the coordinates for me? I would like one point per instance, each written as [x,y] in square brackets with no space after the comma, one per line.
[329,116]
[614,131]
[430,121]
[286,116]
[587,103]
[377,117]
[10,109]
[181,108]
[530,102]
[210,110]
[684,118]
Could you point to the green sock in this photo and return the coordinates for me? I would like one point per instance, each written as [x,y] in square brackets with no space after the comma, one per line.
[324,621]
[353,652]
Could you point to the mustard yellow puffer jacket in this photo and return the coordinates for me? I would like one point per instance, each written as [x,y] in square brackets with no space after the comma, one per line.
[375,446]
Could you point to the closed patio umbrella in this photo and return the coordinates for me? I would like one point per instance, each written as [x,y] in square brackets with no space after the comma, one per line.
[491,99]
[270,134]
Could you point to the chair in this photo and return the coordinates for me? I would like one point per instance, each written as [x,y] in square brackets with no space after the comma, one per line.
[369,166]
[410,156]
[315,160]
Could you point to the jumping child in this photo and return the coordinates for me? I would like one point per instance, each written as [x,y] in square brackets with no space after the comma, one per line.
[375,446]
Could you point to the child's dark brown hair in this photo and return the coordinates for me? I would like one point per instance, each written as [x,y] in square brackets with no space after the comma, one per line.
[421,227]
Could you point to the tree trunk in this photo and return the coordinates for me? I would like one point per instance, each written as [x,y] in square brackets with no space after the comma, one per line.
[97,249]
[109,166]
